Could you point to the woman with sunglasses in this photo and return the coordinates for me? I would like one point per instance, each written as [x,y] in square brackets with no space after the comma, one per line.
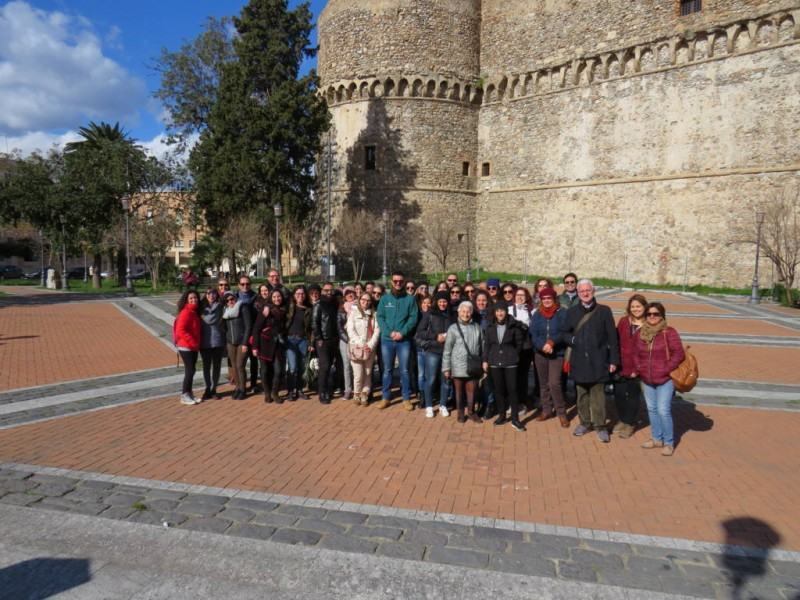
[212,341]
[186,334]
[298,325]
[628,387]
[659,351]
[469,292]
[236,320]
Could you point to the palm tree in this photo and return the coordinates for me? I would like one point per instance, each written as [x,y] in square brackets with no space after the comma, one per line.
[94,134]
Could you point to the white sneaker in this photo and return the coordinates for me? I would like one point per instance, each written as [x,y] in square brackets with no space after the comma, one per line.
[429,412]
[187,400]
[443,411]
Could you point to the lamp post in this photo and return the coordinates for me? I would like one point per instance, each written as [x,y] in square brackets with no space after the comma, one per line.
[330,199]
[755,298]
[385,220]
[64,278]
[126,206]
[278,214]
[469,259]
[42,280]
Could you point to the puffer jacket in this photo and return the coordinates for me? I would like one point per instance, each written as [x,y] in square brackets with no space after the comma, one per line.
[454,357]
[237,329]
[212,331]
[433,323]
[187,329]
[651,361]
[358,326]
[627,346]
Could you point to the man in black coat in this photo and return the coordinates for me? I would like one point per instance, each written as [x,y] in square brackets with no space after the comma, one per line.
[592,338]
[325,339]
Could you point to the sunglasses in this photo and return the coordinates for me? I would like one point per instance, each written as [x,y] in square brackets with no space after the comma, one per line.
[452,280]
[224,286]
[376,294]
[508,291]
[244,283]
[409,287]
[570,282]
[654,314]
[231,300]
[492,287]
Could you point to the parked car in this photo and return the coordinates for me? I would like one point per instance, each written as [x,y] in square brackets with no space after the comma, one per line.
[10,272]
[32,275]
[76,273]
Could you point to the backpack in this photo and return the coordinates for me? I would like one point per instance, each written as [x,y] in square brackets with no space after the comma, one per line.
[685,376]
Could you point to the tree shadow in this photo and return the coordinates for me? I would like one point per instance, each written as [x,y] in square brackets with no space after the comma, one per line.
[379,176]
[16,337]
[40,578]
[748,542]
[687,418]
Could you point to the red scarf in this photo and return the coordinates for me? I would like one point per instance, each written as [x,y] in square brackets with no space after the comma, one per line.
[548,313]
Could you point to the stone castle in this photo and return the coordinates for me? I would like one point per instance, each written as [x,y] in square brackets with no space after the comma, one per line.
[613,138]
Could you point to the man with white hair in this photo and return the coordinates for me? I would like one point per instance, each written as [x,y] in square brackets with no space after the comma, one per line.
[593,358]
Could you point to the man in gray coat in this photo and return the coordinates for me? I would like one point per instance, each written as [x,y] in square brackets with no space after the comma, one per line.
[594,356]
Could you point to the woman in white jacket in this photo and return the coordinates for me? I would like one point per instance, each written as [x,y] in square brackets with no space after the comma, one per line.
[363,333]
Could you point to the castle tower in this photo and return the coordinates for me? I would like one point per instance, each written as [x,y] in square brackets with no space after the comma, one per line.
[401,78]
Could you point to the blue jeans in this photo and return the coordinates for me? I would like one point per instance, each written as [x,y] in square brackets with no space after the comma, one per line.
[421,385]
[433,370]
[296,350]
[659,409]
[402,350]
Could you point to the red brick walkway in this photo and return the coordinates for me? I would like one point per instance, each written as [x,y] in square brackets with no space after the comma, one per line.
[730,462]
[62,342]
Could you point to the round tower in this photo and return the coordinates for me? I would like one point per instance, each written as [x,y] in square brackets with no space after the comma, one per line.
[401,78]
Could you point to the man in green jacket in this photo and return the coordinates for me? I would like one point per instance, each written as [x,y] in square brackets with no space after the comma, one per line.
[397,317]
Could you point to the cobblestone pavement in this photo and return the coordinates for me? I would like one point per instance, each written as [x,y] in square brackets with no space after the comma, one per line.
[699,570]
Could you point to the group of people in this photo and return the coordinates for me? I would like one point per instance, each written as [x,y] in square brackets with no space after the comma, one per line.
[467,346]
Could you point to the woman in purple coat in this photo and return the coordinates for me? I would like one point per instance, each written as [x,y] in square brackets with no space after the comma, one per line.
[659,351]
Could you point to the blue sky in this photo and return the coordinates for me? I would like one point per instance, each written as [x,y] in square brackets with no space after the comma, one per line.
[66,62]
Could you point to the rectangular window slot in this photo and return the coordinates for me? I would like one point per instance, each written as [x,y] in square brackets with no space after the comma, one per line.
[370,156]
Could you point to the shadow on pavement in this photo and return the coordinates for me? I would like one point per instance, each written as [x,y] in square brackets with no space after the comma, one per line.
[688,418]
[40,578]
[56,298]
[754,534]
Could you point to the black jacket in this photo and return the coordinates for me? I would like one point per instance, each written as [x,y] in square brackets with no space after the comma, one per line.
[306,319]
[341,324]
[237,331]
[431,325]
[324,319]
[595,347]
[503,352]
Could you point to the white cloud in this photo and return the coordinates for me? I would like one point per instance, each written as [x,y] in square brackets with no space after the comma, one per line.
[36,141]
[53,74]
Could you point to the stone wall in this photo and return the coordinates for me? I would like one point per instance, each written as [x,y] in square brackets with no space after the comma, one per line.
[522,35]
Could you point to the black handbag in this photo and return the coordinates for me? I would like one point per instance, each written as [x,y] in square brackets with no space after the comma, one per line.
[474,365]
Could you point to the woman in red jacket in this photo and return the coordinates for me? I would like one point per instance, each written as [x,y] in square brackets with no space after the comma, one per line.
[659,351]
[627,387]
[187,331]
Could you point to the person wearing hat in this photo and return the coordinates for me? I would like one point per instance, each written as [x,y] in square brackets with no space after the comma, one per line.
[237,321]
[493,287]
[430,337]
[547,335]
[502,343]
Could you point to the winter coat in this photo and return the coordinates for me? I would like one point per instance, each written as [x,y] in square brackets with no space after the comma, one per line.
[522,316]
[397,313]
[503,352]
[324,320]
[433,323]
[627,346]
[306,319]
[595,346]
[454,357]
[268,334]
[247,300]
[565,302]
[187,329]
[650,360]
[237,329]
[543,329]
[213,333]
[358,326]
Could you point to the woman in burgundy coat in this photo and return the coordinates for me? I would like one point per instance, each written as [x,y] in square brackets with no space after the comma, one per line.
[628,388]
[659,351]
[268,342]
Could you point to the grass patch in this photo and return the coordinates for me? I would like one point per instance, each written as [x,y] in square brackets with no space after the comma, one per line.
[139,506]
[108,286]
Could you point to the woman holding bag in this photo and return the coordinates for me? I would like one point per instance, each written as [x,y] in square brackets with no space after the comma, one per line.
[363,333]
[659,351]
[461,361]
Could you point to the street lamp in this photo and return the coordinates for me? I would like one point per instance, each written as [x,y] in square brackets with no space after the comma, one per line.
[126,206]
[462,237]
[385,220]
[64,278]
[278,214]
[755,297]
[42,281]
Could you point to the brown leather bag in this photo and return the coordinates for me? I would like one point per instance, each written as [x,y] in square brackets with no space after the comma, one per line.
[685,376]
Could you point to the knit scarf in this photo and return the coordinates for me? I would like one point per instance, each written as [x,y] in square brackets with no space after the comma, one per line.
[649,332]
[548,313]
[232,312]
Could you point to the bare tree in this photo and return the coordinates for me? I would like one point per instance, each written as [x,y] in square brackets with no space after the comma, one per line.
[355,238]
[152,235]
[243,238]
[439,241]
[780,236]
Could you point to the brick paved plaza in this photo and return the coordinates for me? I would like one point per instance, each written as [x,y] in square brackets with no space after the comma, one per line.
[105,408]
